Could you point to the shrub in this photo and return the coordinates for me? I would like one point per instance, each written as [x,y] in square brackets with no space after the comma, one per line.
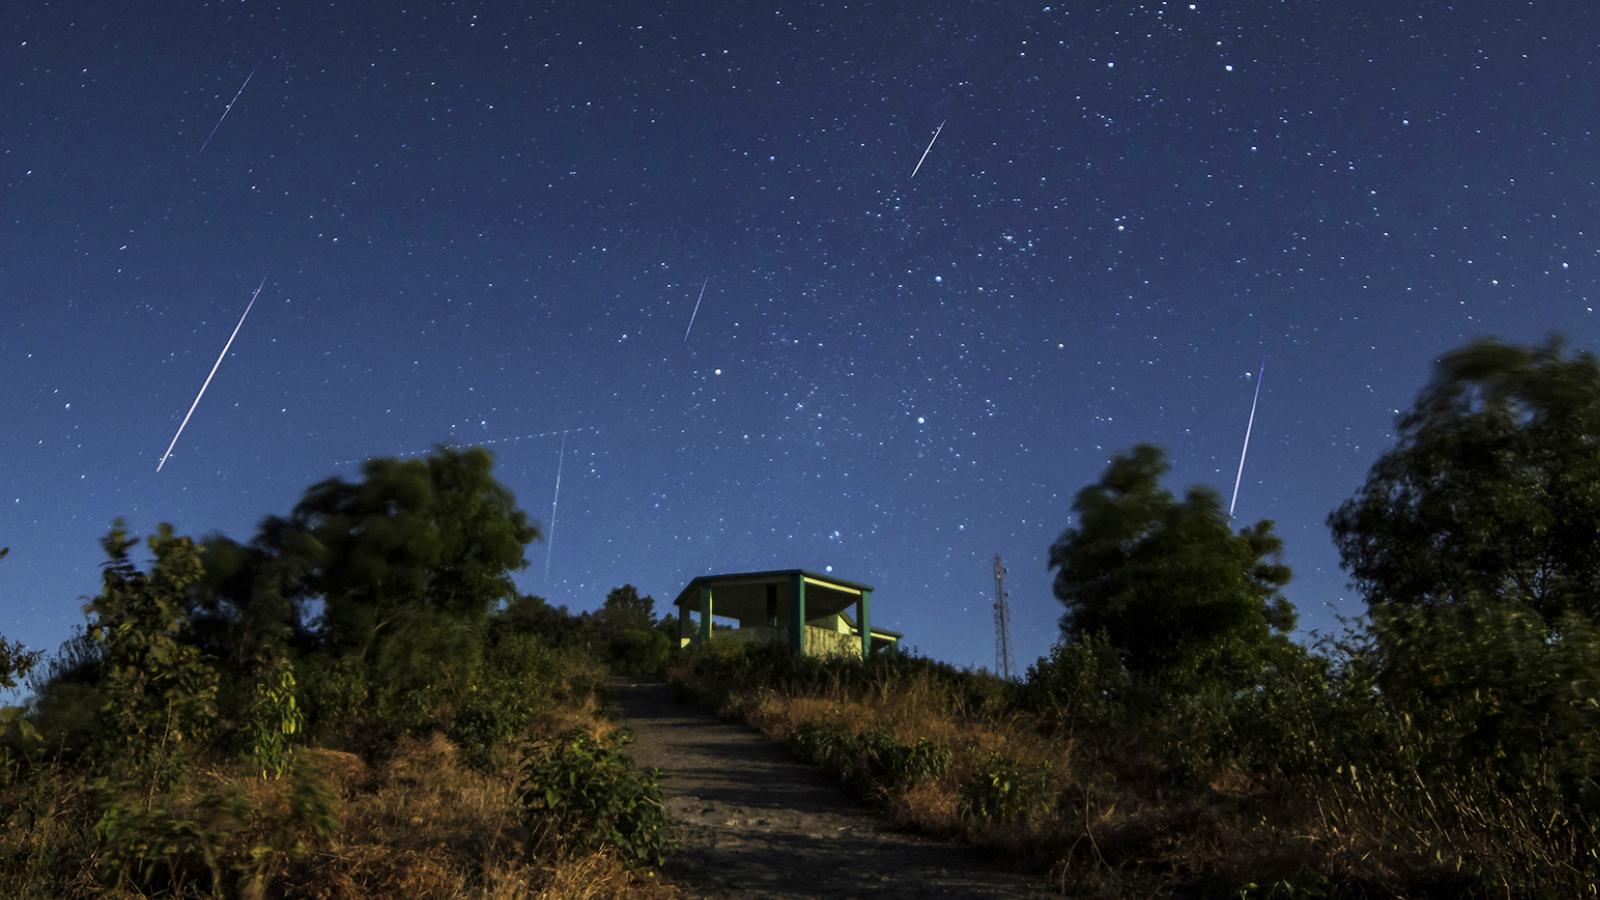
[825,745]
[160,693]
[274,718]
[895,766]
[224,842]
[580,793]
[335,695]
[1002,791]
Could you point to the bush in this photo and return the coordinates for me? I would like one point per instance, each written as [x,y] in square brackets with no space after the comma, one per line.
[580,793]
[334,692]
[223,843]
[894,766]
[826,745]
[1002,791]
[274,719]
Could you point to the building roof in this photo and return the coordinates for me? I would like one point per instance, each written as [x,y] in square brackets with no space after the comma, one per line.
[886,632]
[690,594]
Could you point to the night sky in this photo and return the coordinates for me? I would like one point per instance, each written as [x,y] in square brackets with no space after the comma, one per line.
[491,222]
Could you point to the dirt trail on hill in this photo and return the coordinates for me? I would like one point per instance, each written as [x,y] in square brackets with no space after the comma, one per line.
[753,822]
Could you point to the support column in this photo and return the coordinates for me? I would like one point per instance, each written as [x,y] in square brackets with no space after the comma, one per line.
[705,612]
[797,614]
[863,612]
[683,624]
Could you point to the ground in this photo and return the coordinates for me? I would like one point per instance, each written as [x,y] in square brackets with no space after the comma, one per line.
[753,822]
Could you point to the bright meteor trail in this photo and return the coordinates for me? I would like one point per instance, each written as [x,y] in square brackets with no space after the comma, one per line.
[214,367]
[929,150]
[1249,425]
[696,307]
[228,108]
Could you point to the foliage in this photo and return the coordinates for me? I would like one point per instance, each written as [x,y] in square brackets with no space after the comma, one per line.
[1496,691]
[274,720]
[1082,684]
[16,732]
[1003,791]
[222,843]
[893,765]
[529,614]
[826,745]
[1492,491]
[436,535]
[335,696]
[1167,582]
[160,696]
[521,677]
[584,793]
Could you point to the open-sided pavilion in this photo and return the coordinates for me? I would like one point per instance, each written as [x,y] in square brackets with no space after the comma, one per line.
[809,612]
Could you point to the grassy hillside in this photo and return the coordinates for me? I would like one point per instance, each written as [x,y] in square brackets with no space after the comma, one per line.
[1311,786]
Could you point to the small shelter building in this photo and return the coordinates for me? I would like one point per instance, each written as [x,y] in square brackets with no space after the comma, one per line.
[815,614]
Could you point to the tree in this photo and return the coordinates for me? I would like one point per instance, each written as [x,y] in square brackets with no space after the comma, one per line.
[1492,491]
[628,636]
[624,608]
[414,539]
[1169,583]
[161,697]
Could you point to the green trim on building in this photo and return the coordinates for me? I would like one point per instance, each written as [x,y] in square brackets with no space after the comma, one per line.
[808,611]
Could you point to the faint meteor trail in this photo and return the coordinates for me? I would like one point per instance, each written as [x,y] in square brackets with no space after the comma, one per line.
[929,150]
[550,540]
[214,367]
[696,307]
[228,108]
[1249,425]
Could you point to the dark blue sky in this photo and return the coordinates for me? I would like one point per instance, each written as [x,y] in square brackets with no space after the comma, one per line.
[486,221]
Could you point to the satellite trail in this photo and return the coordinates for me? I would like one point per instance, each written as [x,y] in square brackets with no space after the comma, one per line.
[1249,425]
[214,367]
[228,108]
[696,307]
[930,148]
[483,443]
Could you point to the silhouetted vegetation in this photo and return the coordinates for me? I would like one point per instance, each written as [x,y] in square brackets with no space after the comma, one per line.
[357,701]
[257,719]
[1175,740]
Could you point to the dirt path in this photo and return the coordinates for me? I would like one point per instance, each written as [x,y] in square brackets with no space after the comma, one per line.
[753,822]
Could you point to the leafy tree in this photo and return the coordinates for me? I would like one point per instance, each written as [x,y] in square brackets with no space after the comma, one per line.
[628,635]
[413,536]
[529,614]
[1168,582]
[1492,491]
[160,694]
[249,606]
[624,608]
[16,661]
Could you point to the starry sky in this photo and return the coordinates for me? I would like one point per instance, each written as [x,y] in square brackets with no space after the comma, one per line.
[492,222]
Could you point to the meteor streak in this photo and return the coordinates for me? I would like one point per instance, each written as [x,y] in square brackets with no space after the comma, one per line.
[696,307]
[228,108]
[214,367]
[1249,425]
[550,541]
[930,149]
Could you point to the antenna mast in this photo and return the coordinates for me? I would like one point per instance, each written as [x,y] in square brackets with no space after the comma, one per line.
[1002,622]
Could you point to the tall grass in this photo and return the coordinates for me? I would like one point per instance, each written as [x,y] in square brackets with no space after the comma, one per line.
[1309,784]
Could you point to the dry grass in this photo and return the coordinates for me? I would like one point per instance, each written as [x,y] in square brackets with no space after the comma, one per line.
[418,824]
[1113,820]
[1109,821]
[423,825]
